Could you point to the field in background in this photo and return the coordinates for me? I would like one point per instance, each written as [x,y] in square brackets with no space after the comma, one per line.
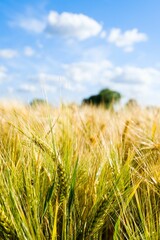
[79,173]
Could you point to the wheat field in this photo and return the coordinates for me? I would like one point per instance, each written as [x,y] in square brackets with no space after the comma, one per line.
[79,173]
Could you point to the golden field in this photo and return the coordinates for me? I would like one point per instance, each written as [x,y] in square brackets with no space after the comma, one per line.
[79,173]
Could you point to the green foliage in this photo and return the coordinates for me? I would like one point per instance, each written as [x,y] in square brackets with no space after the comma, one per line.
[105,97]
[132,103]
[37,101]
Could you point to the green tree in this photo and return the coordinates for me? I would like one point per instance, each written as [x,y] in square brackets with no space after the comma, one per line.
[105,97]
[37,101]
[132,103]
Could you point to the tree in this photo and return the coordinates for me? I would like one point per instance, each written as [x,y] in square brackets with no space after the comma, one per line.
[105,97]
[37,101]
[132,103]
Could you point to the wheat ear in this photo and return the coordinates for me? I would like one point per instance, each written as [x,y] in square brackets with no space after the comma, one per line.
[6,227]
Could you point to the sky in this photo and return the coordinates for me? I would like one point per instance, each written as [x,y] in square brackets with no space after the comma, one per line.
[68,50]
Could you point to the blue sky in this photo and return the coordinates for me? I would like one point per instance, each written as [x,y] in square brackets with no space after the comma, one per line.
[68,50]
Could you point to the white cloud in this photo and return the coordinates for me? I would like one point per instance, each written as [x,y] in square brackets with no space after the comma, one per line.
[39,44]
[50,82]
[26,88]
[103,34]
[136,82]
[65,24]
[127,39]
[44,77]
[30,24]
[139,75]
[28,51]
[10,90]
[3,73]
[49,88]
[71,86]
[131,81]
[85,78]
[90,72]
[70,25]
[32,88]
[8,53]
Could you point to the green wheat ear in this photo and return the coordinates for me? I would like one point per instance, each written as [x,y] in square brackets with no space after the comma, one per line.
[98,218]
[44,146]
[62,176]
[6,228]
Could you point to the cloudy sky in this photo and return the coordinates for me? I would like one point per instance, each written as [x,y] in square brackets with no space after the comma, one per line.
[68,49]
